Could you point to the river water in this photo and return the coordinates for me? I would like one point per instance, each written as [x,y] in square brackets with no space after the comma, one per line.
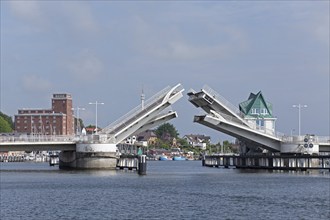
[170,190]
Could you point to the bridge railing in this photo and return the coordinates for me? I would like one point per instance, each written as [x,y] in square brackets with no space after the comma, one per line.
[225,103]
[135,111]
[139,111]
[324,139]
[220,98]
[301,138]
[38,138]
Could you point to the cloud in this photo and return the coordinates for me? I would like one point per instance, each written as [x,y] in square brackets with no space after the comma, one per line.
[175,42]
[86,67]
[313,19]
[80,16]
[34,83]
[30,12]
[321,29]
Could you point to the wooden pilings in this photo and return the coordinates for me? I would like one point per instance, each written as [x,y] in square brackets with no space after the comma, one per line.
[273,162]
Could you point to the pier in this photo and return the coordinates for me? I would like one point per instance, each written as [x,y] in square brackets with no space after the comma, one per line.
[296,162]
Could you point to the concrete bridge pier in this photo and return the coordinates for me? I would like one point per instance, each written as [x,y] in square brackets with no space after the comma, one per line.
[89,156]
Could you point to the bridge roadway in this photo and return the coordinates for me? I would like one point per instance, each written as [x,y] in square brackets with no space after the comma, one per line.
[32,143]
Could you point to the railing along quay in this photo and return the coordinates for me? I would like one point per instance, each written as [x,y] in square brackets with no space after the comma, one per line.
[298,162]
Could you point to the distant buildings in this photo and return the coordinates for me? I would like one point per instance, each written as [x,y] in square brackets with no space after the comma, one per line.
[58,120]
[197,140]
[147,136]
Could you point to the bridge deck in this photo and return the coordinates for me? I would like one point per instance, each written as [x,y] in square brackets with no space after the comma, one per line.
[37,146]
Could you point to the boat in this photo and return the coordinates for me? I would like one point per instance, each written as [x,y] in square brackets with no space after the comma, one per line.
[179,158]
[163,157]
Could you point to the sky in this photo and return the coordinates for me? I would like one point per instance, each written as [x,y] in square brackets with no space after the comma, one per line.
[107,51]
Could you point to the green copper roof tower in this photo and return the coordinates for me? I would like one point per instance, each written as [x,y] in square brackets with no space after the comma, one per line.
[258,111]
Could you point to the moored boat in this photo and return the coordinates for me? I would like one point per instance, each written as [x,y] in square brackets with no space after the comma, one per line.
[163,157]
[179,158]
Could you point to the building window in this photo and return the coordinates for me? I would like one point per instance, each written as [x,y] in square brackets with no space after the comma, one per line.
[264,111]
[254,111]
[25,121]
[260,123]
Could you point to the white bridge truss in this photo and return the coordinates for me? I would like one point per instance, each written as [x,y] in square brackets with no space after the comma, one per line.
[221,115]
[141,118]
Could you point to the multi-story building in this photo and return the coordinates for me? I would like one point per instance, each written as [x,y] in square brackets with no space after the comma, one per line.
[58,120]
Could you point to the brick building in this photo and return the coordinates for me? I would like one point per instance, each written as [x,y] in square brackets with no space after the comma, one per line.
[58,120]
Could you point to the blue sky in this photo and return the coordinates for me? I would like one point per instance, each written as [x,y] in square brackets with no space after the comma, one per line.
[108,50]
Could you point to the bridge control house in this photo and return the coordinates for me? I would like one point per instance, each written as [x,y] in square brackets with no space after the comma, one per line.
[58,120]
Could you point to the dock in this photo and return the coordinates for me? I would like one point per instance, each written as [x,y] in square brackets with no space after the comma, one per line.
[297,162]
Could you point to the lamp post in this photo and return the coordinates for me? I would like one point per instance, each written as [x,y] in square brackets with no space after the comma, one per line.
[96,104]
[78,122]
[299,106]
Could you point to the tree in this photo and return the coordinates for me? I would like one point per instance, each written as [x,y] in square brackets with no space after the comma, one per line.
[166,131]
[81,124]
[4,126]
[182,142]
[8,119]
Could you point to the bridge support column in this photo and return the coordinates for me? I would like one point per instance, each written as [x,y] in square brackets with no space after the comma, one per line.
[89,156]
[142,164]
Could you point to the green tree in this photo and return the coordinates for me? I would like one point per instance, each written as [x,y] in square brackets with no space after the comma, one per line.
[8,119]
[5,126]
[166,131]
[81,123]
[182,142]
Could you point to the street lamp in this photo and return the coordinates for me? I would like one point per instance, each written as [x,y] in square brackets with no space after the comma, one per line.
[299,106]
[96,103]
[78,122]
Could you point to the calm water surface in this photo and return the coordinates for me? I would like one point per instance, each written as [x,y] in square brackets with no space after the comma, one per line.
[170,190]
